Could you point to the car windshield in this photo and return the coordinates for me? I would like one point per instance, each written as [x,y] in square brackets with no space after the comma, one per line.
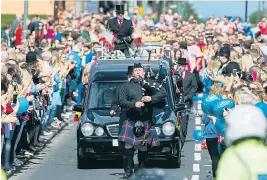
[101,94]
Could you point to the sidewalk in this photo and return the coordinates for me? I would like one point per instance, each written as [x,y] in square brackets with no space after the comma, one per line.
[68,117]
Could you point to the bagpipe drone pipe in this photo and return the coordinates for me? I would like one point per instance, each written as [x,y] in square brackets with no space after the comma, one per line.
[154,81]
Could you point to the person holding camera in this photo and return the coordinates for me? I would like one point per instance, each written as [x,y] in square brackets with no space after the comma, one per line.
[122,30]
[227,67]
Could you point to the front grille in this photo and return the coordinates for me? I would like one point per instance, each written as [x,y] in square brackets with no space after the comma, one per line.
[113,130]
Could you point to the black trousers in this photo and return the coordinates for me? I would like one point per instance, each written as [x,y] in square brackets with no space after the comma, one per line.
[212,144]
[58,111]
[15,140]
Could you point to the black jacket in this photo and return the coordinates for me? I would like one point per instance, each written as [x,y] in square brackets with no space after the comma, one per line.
[132,92]
[124,31]
[188,86]
[115,100]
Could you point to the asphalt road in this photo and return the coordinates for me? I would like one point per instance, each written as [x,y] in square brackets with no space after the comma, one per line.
[58,161]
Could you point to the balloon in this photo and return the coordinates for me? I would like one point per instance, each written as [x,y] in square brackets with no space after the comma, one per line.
[219,106]
[208,101]
[263,107]
[73,85]
[197,98]
[198,135]
[220,126]
[23,105]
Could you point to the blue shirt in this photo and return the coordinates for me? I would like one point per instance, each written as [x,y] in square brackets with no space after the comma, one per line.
[58,36]
[210,129]
[89,57]
[78,60]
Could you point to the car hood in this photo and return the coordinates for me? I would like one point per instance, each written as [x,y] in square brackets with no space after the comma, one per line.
[164,115]
[102,117]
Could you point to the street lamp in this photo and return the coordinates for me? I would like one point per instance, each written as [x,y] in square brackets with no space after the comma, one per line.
[25,28]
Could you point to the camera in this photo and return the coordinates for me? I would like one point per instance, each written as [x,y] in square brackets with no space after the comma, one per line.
[234,72]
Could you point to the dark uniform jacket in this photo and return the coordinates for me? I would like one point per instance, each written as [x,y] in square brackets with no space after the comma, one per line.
[115,100]
[132,92]
[188,86]
[124,31]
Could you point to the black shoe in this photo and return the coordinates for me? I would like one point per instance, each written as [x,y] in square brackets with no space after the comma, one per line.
[32,148]
[141,165]
[17,163]
[128,171]
[40,145]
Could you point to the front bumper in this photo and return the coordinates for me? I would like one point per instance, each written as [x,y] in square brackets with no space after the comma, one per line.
[101,147]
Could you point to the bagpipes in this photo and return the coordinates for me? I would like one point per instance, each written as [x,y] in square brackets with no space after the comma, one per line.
[152,82]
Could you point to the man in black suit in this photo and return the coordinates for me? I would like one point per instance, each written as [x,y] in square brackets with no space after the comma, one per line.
[122,30]
[186,87]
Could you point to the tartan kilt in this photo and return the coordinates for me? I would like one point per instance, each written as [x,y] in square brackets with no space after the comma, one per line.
[127,136]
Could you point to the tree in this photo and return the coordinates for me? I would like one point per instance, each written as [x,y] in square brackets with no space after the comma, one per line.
[253,18]
[189,11]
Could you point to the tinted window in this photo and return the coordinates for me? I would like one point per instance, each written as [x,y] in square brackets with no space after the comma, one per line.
[101,94]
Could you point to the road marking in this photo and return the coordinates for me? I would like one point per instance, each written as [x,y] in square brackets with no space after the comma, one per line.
[197,147]
[199,106]
[198,127]
[207,165]
[195,177]
[198,121]
[197,156]
[196,168]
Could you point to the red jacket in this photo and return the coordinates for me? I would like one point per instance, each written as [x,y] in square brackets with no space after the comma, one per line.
[18,35]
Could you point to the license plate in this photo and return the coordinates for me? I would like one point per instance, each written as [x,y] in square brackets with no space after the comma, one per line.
[115,142]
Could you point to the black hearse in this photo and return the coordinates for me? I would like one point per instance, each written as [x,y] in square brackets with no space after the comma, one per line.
[97,131]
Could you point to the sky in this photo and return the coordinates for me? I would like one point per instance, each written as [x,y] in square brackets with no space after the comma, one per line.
[221,8]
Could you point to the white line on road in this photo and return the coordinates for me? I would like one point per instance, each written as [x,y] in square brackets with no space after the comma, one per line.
[198,121]
[195,177]
[196,168]
[197,156]
[197,147]
[198,127]
[207,165]
[199,106]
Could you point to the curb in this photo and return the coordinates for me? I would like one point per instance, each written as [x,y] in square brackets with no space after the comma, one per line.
[56,132]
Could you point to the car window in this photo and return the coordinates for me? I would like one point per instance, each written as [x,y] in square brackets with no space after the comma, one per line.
[101,94]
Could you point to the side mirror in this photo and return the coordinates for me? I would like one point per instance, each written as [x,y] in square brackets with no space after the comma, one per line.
[180,106]
[78,108]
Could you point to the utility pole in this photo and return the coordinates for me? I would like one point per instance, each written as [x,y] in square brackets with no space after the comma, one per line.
[78,7]
[56,4]
[246,12]
[263,9]
[259,12]
[25,28]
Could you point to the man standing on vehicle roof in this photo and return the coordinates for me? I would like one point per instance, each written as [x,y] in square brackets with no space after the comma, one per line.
[186,87]
[122,30]
[138,101]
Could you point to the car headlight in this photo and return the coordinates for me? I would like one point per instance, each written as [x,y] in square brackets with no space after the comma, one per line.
[99,131]
[87,129]
[168,129]
[158,130]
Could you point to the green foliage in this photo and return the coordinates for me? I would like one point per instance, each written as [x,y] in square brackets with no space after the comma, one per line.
[9,18]
[253,18]
[190,11]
